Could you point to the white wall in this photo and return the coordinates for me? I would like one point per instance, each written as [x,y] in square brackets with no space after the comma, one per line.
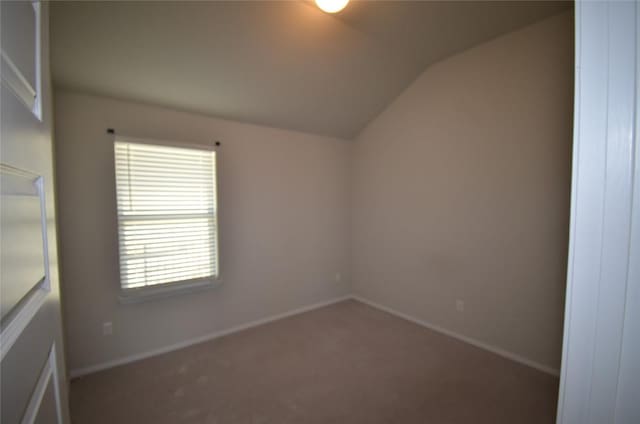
[283,224]
[461,191]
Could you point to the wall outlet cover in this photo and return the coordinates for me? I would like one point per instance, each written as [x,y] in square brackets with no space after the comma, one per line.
[107,328]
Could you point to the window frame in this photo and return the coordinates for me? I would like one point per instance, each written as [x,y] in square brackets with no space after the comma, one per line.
[164,290]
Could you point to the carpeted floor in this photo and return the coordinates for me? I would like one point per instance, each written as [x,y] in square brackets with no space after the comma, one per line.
[346,363]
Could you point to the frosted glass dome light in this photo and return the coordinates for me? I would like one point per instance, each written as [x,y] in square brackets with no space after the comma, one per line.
[331,6]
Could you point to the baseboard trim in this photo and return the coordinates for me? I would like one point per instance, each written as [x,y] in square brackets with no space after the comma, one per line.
[79,372]
[498,351]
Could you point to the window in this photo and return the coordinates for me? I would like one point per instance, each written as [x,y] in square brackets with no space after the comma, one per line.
[167,215]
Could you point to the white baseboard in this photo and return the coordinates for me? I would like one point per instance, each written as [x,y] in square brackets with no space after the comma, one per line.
[498,351]
[79,372]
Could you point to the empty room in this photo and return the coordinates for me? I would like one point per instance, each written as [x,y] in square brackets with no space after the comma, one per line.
[320,211]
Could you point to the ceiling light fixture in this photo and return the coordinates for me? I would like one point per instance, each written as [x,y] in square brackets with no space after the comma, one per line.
[331,6]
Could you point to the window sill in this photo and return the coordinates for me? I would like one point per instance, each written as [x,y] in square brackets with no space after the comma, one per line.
[146,294]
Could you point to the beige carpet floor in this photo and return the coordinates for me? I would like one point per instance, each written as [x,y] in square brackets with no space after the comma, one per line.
[346,363]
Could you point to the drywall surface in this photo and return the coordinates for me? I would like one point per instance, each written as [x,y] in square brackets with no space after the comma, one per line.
[283,227]
[461,192]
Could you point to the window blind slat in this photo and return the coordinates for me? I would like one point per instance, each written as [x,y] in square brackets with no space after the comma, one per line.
[150,246]
[142,253]
[168,195]
[179,165]
[156,170]
[159,155]
[146,239]
[133,225]
[142,206]
[160,211]
[173,275]
[169,232]
[144,184]
[155,269]
[152,151]
[167,222]
[133,199]
[158,262]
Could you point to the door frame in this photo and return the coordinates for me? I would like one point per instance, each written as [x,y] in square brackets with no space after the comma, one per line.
[602,324]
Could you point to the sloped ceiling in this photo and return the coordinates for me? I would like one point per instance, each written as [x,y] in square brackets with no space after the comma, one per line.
[279,63]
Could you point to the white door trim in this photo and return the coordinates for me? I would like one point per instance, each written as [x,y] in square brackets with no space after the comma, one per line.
[27,308]
[601,212]
[49,371]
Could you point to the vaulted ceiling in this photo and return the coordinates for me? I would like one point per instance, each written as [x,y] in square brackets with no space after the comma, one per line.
[279,63]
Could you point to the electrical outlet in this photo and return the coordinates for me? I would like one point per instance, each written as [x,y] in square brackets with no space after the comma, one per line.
[460,305]
[338,277]
[107,328]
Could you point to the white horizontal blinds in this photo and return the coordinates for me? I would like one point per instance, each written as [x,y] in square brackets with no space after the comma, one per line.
[167,217]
